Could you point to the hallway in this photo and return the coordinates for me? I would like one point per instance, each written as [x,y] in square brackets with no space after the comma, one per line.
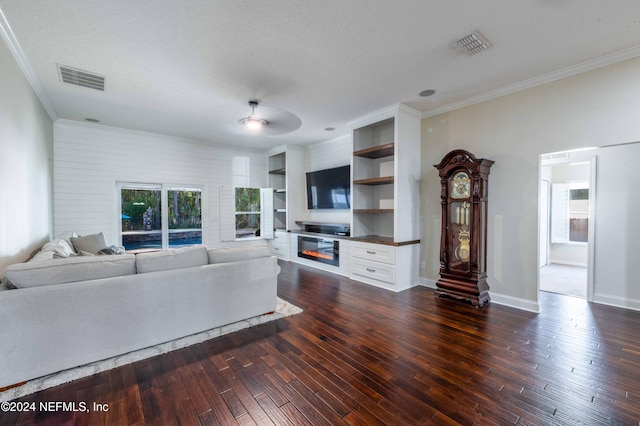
[564,279]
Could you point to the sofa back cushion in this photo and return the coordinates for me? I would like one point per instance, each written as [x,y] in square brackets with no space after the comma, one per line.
[171,259]
[70,269]
[235,254]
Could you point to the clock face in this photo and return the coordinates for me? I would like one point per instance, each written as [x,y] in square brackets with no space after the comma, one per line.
[460,185]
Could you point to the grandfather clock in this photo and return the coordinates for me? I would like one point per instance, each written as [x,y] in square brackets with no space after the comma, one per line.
[463,242]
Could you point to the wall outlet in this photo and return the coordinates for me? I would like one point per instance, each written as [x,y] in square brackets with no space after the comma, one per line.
[423,264]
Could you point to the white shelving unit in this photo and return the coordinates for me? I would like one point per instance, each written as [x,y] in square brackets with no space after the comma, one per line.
[286,177]
[278,181]
[385,197]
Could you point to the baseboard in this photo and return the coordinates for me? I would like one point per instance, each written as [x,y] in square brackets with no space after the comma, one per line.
[500,299]
[561,262]
[515,302]
[531,306]
[618,302]
[426,282]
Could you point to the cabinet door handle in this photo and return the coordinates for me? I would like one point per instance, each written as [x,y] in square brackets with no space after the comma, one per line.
[371,252]
[371,270]
[276,248]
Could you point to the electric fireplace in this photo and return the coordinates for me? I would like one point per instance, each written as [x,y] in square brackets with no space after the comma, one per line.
[319,249]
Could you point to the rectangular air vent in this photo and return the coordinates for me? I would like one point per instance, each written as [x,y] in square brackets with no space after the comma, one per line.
[81,78]
[473,43]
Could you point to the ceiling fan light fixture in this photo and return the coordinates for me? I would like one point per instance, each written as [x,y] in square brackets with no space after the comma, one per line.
[252,122]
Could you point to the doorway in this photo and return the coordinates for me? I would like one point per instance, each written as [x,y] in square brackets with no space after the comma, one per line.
[566,202]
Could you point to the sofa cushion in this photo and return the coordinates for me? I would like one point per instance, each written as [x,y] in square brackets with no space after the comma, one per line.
[235,254]
[90,243]
[185,257]
[70,269]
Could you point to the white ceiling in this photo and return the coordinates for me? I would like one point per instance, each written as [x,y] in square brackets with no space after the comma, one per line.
[188,67]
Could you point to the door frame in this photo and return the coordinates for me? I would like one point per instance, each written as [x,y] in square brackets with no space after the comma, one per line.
[568,157]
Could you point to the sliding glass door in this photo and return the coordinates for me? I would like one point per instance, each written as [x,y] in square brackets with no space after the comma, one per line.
[158,216]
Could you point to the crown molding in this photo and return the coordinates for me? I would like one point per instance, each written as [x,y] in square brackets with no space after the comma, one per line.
[10,38]
[383,114]
[593,64]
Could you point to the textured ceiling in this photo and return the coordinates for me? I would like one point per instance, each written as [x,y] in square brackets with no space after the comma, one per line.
[188,68]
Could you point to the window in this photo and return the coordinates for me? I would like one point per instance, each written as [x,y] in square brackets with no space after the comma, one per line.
[569,213]
[578,215]
[185,216]
[247,212]
[157,216]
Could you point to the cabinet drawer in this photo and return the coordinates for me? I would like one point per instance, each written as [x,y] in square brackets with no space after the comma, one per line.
[280,236]
[377,271]
[279,250]
[279,246]
[374,252]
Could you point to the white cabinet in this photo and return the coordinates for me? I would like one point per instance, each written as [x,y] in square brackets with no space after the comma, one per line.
[383,265]
[374,261]
[373,270]
[374,252]
[279,245]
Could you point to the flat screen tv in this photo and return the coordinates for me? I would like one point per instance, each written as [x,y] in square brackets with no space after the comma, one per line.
[329,188]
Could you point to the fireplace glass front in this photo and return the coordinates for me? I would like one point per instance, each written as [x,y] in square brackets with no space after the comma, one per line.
[319,249]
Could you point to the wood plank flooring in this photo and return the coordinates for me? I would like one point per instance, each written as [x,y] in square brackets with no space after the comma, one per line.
[359,355]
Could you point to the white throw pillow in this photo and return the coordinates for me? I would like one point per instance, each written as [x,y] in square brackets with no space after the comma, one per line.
[58,248]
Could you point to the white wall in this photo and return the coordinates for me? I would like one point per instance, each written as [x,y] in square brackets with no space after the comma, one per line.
[90,159]
[596,108]
[617,229]
[26,138]
[326,155]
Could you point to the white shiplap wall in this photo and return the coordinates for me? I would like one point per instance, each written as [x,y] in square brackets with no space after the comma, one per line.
[89,159]
[326,155]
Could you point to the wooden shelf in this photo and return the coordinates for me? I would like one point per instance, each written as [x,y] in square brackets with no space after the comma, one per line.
[375,181]
[282,171]
[375,211]
[380,151]
[381,239]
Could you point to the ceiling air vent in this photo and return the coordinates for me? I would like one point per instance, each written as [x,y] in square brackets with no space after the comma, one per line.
[81,78]
[473,43]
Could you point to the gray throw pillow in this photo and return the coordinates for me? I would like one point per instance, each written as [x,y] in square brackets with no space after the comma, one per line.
[112,250]
[90,243]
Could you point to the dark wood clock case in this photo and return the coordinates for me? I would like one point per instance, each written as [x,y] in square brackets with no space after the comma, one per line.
[463,243]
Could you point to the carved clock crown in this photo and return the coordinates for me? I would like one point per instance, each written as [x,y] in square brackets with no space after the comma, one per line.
[461,158]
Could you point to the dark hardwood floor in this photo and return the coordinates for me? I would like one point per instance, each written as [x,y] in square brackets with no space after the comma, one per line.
[364,356]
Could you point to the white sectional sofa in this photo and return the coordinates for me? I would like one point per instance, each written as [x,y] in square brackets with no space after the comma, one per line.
[76,310]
